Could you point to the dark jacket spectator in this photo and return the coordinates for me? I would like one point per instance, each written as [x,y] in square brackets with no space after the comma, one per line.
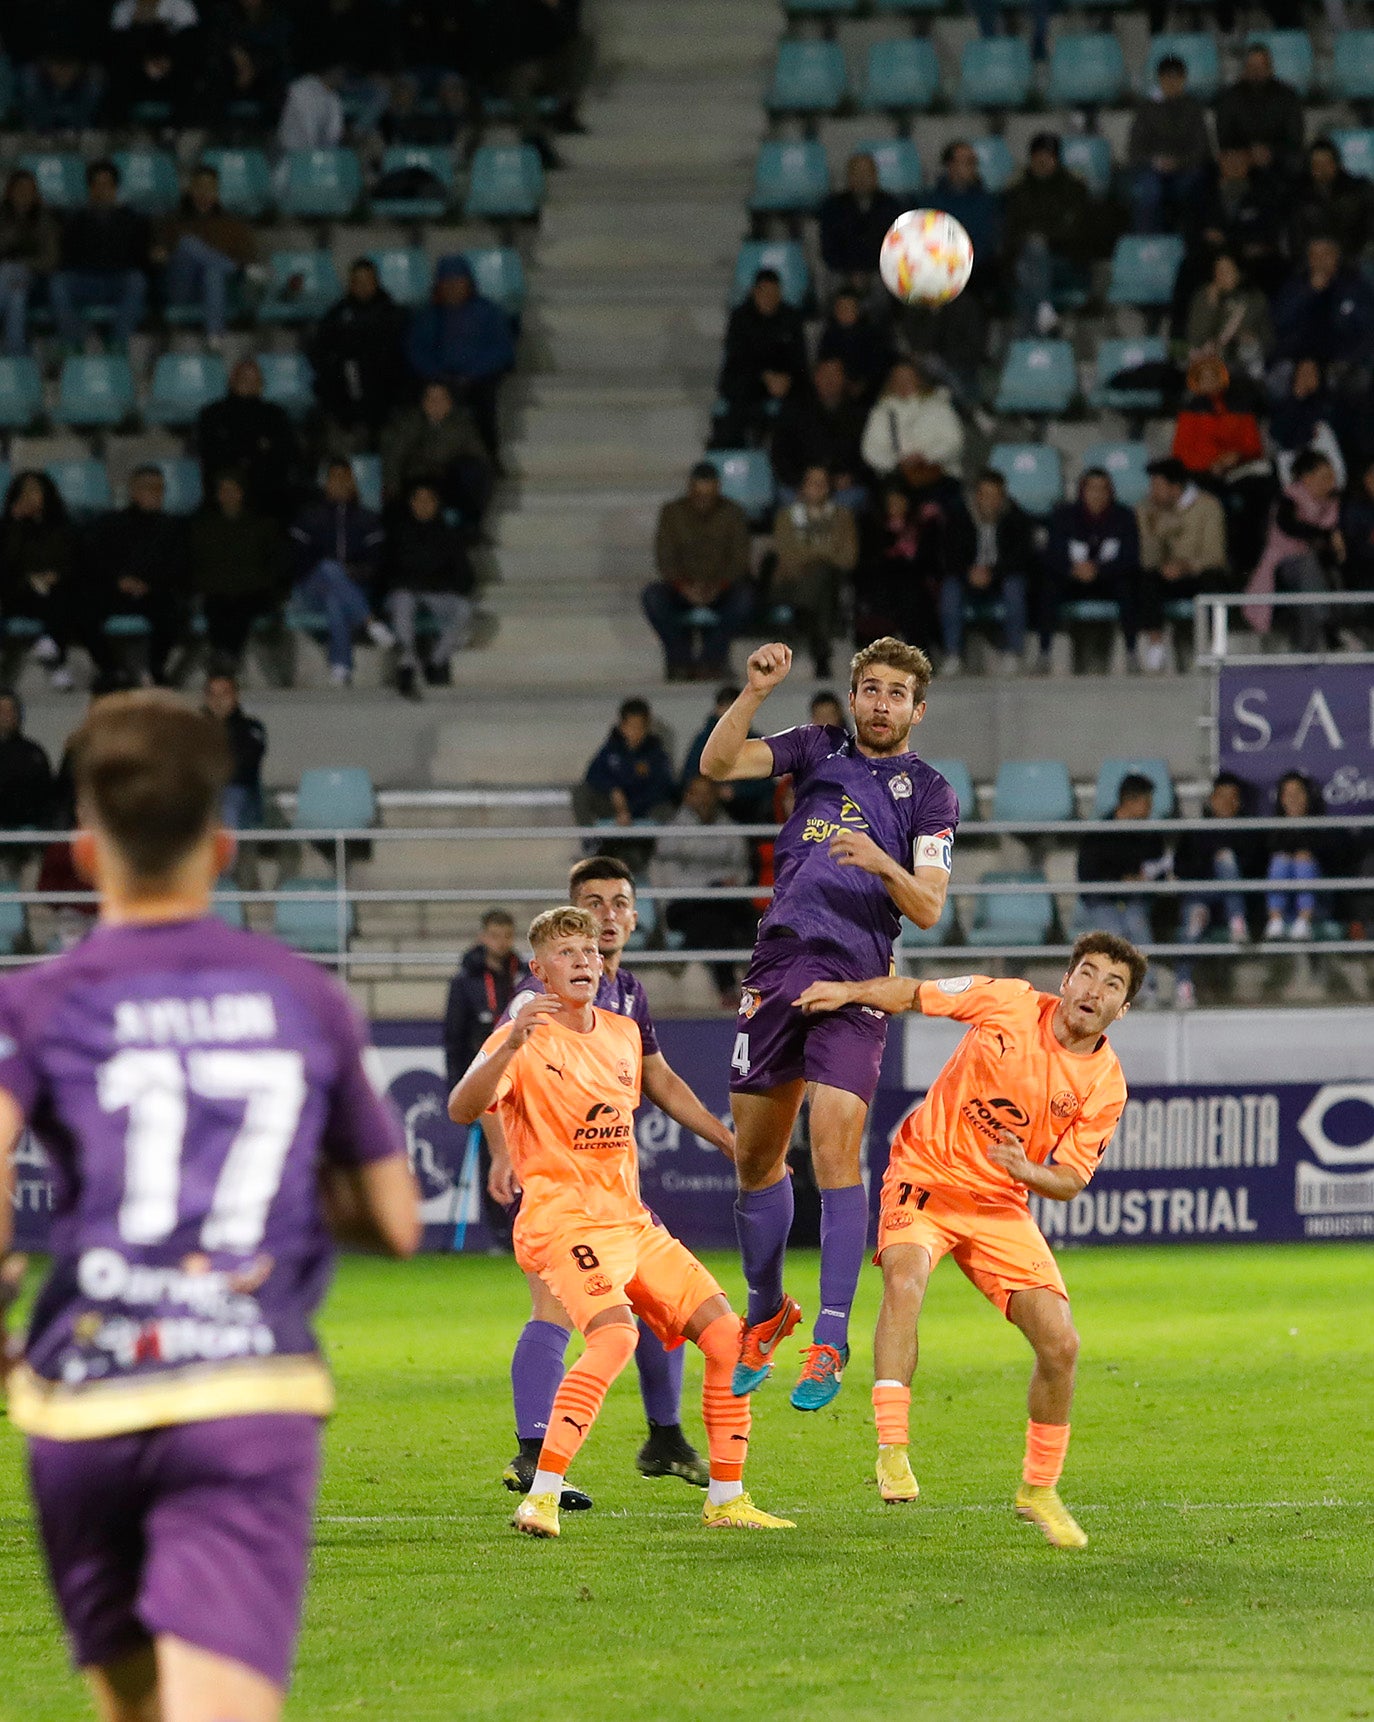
[631,769]
[1306,416]
[488,978]
[1299,857]
[1262,113]
[701,549]
[1196,853]
[437,440]
[1357,526]
[960,192]
[104,259]
[998,559]
[1327,201]
[255,438]
[247,56]
[425,564]
[816,546]
[152,61]
[1093,553]
[358,354]
[29,242]
[821,425]
[464,340]
[345,532]
[337,544]
[140,563]
[765,356]
[247,738]
[38,568]
[1325,311]
[1230,319]
[1053,203]
[1241,210]
[25,773]
[238,565]
[1170,127]
[1131,854]
[203,217]
[853,221]
[906,548]
[426,556]
[850,335]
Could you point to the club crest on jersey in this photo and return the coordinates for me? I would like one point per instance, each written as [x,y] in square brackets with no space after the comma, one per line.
[1064,1105]
[625,1071]
[596,1286]
[900,787]
[748,1003]
[895,1221]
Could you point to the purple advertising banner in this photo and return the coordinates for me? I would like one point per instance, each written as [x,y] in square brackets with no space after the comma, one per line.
[1314,718]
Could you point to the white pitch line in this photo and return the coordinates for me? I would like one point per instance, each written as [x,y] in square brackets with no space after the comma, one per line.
[930,1507]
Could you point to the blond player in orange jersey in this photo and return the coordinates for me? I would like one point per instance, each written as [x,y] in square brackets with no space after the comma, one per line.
[1028,1102]
[564,1079]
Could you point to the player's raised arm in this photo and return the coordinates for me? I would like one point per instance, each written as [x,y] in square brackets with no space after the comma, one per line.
[374,1206]
[891,994]
[731,753]
[482,1082]
[918,894]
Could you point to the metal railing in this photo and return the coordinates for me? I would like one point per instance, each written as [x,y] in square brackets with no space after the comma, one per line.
[1212,613]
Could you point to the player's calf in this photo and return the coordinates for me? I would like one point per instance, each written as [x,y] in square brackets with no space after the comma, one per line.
[727,1417]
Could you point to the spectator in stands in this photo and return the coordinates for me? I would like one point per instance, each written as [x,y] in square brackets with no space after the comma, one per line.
[1126,857]
[827,708]
[694,862]
[363,42]
[338,546]
[38,570]
[60,92]
[242,808]
[902,561]
[764,362]
[1168,152]
[253,438]
[1003,567]
[25,776]
[1357,529]
[850,335]
[703,595]
[1093,553]
[140,564]
[989,14]
[1231,319]
[358,356]
[536,48]
[1304,550]
[748,802]
[1241,211]
[913,429]
[1182,551]
[1053,231]
[1217,437]
[104,261]
[630,776]
[821,425]
[438,441]
[1217,855]
[853,222]
[1261,113]
[817,545]
[1325,311]
[247,57]
[29,250]
[238,565]
[203,248]
[152,60]
[1299,859]
[312,116]
[426,567]
[957,334]
[960,192]
[464,341]
[1328,202]
[1305,418]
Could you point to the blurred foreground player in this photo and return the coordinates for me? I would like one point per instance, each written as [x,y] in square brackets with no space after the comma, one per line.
[1028,1102]
[564,1077]
[202,1097]
[869,840]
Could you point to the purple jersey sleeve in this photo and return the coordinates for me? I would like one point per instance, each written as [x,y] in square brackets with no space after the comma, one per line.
[18,1074]
[641,1013]
[934,824]
[795,750]
[360,1125]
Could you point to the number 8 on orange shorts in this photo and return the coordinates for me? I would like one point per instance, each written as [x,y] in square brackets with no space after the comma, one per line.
[595,1266]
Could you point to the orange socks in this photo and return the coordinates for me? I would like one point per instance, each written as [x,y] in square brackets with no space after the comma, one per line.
[891,1408]
[583,1392]
[726,1418]
[1046,1446]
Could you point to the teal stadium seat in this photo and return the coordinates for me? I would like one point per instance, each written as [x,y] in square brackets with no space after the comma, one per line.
[1037,377]
[995,165]
[901,76]
[434,159]
[61,177]
[1291,52]
[1033,789]
[229,910]
[907,6]
[1198,51]
[320,184]
[820,8]
[500,276]
[959,778]
[944,932]
[898,163]
[83,485]
[790,178]
[1125,464]
[184,383]
[995,72]
[1357,150]
[1087,71]
[309,926]
[367,470]
[1118,353]
[95,393]
[335,798]
[1012,918]
[406,273]
[1144,269]
[148,180]
[287,381]
[1109,779]
[1352,67]
[505,183]
[11,918]
[6,474]
[245,184]
[808,78]
[182,479]
[301,286]
[787,256]
[1034,473]
[1090,157]
[746,478]
[21,393]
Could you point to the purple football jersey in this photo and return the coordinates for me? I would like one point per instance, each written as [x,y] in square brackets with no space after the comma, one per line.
[620,992]
[187,1080]
[903,804]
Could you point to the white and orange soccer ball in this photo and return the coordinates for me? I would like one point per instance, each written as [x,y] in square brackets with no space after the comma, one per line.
[926,258]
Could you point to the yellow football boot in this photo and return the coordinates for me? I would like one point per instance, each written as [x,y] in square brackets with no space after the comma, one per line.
[537,1516]
[896,1482]
[1043,1507]
[742,1515]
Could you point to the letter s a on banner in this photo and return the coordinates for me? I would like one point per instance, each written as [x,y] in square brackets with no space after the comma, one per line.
[1263,732]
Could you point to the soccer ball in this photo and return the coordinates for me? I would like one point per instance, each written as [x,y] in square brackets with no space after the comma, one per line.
[926,258]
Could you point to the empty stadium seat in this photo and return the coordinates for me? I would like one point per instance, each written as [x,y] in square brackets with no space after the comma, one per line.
[1144,268]
[1037,377]
[1124,463]
[907,5]
[808,78]
[1033,471]
[898,164]
[367,470]
[148,180]
[6,475]
[819,8]
[944,932]
[1124,354]
[1352,67]
[11,918]
[1109,784]
[1291,52]
[182,384]
[790,177]
[61,177]
[1198,51]
[1033,789]
[301,286]
[746,478]
[433,159]
[1357,150]
[245,184]
[786,256]
[500,276]
[902,76]
[995,165]
[505,182]
[1087,70]
[1012,918]
[995,72]
[94,392]
[335,797]
[320,184]
[21,393]
[957,775]
[181,477]
[1090,157]
[406,273]
[83,485]
[309,926]
[288,381]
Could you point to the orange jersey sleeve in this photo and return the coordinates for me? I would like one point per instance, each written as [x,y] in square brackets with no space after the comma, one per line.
[970,998]
[1083,1144]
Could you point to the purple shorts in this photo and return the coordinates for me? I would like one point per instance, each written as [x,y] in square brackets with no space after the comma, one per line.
[775,1043]
[200,1531]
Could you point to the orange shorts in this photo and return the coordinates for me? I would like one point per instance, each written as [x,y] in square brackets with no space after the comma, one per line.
[997,1244]
[593,1265]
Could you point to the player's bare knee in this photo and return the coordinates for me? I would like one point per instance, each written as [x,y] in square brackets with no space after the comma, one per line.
[1057,1350]
[905,1273]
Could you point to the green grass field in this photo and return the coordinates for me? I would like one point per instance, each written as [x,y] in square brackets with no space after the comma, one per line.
[1222,1459]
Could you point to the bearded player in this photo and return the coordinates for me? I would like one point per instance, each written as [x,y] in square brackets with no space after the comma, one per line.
[869,840]
[1028,1102]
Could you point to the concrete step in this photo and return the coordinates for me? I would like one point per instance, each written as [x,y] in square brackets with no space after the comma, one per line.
[590,392]
[577,568]
[646,341]
[638,147]
[714,216]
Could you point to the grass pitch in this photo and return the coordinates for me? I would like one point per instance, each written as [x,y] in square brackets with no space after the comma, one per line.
[1222,1464]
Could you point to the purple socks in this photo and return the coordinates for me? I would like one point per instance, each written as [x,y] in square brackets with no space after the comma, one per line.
[844,1237]
[660,1377]
[536,1371]
[763,1218]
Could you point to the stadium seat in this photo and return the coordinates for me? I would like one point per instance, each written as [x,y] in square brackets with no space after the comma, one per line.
[898,164]
[1109,784]
[1198,51]
[229,910]
[500,276]
[245,185]
[1291,52]
[367,470]
[786,256]
[944,932]
[808,78]
[1357,150]
[1037,377]
[335,798]
[902,77]
[820,8]
[790,177]
[83,485]
[505,182]
[182,479]
[907,5]
[1144,268]
[61,177]
[957,775]
[309,926]
[432,205]
[1012,918]
[1033,789]
[6,474]
[183,383]
[320,184]
[301,286]
[746,478]
[1117,354]
[21,393]
[1090,157]
[1033,471]
[148,180]
[11,918]
[1087,71]
[995,72]
[407,274]
[94,392]
[287,381]
[995,165]
[1124,463]
[1352,68]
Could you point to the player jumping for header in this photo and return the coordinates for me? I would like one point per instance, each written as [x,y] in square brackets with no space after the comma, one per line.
[1028,1102]
[868,842]
[564,1077]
